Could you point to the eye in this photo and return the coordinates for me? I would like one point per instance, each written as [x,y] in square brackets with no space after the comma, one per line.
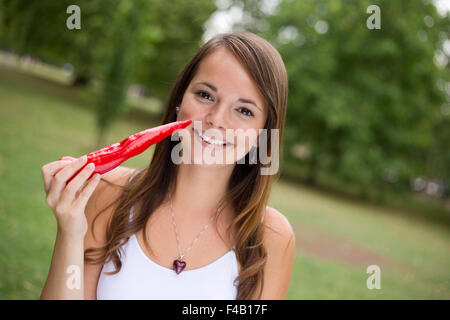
[246,112]
[202,94]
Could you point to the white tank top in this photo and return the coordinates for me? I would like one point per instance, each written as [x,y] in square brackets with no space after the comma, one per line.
[140,278]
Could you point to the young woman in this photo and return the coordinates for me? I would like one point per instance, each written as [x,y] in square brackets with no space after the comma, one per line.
[192,230]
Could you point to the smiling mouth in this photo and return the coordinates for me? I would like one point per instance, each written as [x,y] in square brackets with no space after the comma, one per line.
[210,141]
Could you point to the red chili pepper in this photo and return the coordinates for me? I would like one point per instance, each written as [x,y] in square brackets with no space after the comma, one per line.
[110,157]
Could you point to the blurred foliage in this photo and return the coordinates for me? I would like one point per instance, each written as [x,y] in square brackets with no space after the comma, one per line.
[118,67]
[371,107]
[366,103]
[116,38]
[167,35]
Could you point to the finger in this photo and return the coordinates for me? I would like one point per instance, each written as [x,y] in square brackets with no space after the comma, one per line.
[58,183]
[84,184]
[87,191]
[75,166]
[68,158]
[68,194]
[50,169]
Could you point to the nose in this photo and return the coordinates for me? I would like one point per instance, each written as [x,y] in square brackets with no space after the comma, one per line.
[217,117]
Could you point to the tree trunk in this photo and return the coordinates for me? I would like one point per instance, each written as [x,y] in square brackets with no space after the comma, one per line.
[312,172]
[100,138]
[81,80]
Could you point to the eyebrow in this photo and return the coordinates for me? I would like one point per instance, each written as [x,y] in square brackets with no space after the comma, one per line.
[240,99]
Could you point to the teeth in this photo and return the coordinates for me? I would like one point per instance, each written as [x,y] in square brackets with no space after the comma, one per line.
[212,141]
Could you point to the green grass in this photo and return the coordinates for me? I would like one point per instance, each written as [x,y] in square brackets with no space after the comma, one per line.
[41,121]
[419,248]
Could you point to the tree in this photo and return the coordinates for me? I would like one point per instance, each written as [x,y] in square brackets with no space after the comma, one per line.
[173,34]
[365,102]
[118,69]
[114,37]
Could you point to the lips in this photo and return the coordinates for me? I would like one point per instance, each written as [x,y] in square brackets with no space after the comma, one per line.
[212,144]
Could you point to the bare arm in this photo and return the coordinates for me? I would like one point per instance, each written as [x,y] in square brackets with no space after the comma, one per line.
[103,195]
[67,201]
[280,246]
[65,277]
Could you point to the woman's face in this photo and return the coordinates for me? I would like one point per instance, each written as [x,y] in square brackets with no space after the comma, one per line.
[224,104]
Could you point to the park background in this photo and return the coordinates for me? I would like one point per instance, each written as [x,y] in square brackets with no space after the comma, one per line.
[364,174]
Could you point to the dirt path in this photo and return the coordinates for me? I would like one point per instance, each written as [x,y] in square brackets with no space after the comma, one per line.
[329,247]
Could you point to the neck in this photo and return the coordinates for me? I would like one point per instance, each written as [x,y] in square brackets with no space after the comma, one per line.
[199,190]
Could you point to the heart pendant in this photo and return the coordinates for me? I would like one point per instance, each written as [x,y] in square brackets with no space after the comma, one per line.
[178,266]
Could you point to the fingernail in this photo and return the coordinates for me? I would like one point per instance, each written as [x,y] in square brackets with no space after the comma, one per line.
[91,165]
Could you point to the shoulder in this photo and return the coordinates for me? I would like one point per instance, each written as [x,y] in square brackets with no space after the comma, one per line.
[119,175]
[98,209]
[277,229]
[279,242]
[109,185]
[107,190]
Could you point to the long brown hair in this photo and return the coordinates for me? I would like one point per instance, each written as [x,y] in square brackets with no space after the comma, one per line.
[248,191]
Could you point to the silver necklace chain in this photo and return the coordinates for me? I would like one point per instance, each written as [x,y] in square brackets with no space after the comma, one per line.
[176,232]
